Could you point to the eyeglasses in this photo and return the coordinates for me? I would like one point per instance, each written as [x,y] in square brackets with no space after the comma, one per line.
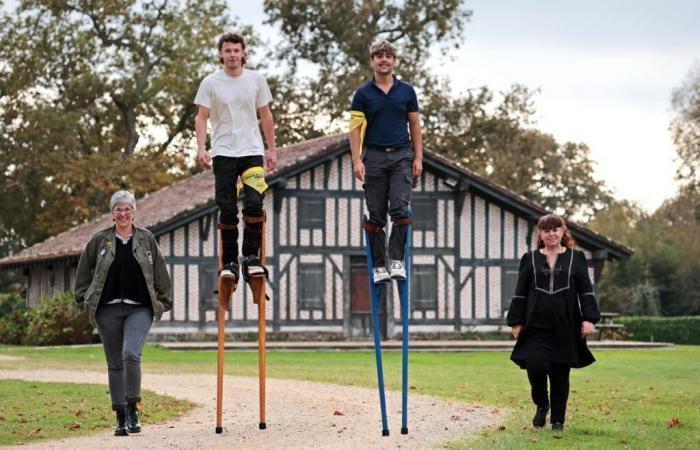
[126,211]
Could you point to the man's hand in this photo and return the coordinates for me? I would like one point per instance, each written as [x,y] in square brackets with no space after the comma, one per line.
[516,330]
[417,167]
[587,328]
[358,169]
[271,159]
[205,159]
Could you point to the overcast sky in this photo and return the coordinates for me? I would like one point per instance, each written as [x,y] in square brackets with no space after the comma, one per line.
[605,69]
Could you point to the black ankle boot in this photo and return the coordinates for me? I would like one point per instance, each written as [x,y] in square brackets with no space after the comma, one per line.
[540,417]
[121,422]
[133,425]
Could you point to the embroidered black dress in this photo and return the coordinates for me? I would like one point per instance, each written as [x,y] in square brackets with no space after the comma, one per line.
[551,304]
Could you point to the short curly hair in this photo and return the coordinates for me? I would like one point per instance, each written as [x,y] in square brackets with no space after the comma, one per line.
[382,46]
[233,38]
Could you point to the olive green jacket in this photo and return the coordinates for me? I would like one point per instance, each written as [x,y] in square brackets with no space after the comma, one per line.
[98,256]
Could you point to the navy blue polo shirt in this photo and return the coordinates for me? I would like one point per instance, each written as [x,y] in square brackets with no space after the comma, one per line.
[386,114]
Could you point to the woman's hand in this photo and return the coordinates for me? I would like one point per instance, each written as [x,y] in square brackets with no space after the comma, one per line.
[516,330]
[587,328]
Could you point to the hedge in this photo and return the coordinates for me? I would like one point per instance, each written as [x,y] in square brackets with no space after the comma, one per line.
[679,330]
[56,321]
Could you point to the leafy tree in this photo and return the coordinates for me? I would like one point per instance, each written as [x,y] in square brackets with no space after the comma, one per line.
[685,127]
[96,96]
[646,299]
[493,138]
[334,36]
[625,222]
[666,258]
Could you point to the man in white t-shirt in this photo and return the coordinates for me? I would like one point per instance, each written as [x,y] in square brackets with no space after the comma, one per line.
[231,98]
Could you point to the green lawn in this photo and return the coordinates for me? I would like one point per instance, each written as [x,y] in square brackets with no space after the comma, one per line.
[31,411]
[627,399]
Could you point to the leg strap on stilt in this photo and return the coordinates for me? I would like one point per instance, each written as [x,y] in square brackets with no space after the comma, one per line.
[402,221]
[255,260]
[225,226]
[372,228]
[255,219]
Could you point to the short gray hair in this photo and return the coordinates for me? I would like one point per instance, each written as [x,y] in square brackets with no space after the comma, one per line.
[122,197]
[382,46]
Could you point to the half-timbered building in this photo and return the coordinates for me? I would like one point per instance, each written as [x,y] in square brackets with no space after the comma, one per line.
[467,238]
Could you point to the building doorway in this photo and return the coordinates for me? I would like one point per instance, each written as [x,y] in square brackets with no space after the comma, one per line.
[360,304]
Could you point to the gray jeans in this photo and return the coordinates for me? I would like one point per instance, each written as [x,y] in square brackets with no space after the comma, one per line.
[123,329]
[388,184]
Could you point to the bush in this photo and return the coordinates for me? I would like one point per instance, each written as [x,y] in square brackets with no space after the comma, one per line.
[13,318]
[58,321]
[679,330]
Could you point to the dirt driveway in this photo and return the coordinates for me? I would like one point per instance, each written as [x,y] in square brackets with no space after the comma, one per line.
[299,415]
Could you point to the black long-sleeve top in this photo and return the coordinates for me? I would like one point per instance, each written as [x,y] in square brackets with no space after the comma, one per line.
[557,299]
[125,278]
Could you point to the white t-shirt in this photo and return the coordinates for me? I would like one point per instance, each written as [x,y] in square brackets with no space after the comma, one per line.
[233,103]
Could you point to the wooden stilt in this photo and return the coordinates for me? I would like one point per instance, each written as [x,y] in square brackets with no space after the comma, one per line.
[257,286]
[226,288]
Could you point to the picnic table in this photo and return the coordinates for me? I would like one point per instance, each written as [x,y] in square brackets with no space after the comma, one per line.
[606,325]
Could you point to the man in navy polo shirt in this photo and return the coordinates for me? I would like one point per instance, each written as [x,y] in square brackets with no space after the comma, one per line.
[385,124]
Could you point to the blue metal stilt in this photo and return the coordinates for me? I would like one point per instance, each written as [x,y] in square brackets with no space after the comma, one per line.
[375,297]
[404,287]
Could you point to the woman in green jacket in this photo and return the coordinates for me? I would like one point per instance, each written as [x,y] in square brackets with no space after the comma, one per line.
[123,282]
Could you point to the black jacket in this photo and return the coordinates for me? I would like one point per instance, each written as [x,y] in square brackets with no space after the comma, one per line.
[569,289]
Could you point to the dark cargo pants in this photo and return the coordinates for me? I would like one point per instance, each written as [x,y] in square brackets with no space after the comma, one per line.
[388,183]
[227,170]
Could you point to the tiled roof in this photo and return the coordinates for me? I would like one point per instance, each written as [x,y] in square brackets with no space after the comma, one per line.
[535,209]
[165,205]
[173,202]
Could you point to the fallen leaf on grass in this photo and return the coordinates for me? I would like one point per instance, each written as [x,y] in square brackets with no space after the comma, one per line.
[502,428]
[673,423]
[338,413]
[535,440]
[22,420]
[33,432]
[73,426]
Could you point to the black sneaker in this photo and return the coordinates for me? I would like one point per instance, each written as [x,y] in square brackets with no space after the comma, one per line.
[540,417]
[229,272]
[252,267]
[558,427]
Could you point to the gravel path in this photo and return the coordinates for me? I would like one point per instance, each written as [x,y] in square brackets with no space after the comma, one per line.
[299,415]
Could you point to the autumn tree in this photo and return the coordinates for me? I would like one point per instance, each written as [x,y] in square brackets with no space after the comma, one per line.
[685,127]
[488,133]
[96,96]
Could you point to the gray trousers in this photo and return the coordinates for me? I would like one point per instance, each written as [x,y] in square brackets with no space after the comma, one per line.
[123,329]
[388,184]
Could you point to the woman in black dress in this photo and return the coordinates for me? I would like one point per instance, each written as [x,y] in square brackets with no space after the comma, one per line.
[553,310]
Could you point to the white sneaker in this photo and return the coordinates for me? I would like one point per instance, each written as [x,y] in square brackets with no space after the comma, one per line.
[380,275]
[229,272]
[397,271]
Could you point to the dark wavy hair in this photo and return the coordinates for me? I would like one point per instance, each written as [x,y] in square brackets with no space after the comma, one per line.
[549,222]
[233,38]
